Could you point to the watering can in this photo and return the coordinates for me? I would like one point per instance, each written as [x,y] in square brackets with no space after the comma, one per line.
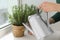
[38,27]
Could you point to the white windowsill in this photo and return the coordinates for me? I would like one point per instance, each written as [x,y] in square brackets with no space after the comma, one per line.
[4,25]
[6,28]
[55,36]
[11,37]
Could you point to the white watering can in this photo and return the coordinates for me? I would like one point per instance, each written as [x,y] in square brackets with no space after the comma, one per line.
[39,28]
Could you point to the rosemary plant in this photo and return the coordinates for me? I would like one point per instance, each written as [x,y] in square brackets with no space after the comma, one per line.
[20,14]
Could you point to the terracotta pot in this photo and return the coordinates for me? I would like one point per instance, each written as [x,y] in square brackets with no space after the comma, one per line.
[18,31]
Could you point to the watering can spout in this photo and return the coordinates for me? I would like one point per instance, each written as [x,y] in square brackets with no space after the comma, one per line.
[28,28]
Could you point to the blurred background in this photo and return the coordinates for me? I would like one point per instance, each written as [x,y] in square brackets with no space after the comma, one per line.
[6,7]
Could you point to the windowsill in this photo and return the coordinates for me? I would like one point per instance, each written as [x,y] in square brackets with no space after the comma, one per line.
[4,25]
[6,28]
[11,37]
[55,36]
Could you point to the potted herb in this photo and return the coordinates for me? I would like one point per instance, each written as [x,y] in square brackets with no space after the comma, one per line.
[20,14]
[16,19]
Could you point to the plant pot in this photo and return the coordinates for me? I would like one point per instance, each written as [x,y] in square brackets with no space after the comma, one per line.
[18,31]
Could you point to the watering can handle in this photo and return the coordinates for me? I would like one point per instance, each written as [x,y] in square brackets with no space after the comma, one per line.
[47,19]
[39,13]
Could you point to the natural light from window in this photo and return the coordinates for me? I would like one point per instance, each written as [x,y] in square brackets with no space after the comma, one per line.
[5,8]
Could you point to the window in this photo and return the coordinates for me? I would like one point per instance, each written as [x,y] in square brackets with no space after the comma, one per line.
[5,8]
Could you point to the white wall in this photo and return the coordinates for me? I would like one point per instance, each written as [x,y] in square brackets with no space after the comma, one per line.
[36,2]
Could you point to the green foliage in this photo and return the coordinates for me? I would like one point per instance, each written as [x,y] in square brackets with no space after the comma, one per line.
[20,14]
[29,10]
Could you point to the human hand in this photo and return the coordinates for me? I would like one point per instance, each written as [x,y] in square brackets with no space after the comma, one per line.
[48,6]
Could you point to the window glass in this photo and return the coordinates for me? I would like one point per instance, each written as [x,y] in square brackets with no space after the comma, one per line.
[5,8]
